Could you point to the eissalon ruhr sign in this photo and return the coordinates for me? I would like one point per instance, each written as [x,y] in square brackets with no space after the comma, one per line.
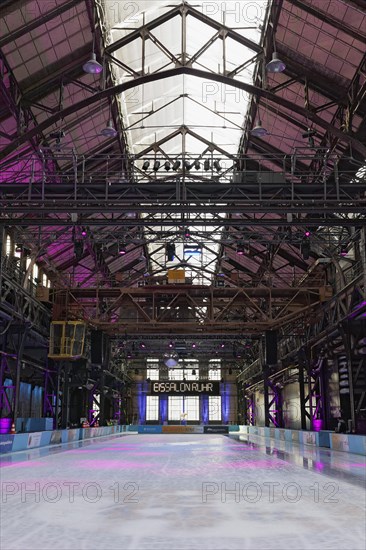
[186,388]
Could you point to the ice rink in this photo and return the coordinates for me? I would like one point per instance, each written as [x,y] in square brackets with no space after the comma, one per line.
[137,492]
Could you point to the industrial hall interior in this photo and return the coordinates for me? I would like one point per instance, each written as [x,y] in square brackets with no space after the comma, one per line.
[183,273]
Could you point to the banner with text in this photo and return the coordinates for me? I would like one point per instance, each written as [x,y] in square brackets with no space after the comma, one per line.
[185,388]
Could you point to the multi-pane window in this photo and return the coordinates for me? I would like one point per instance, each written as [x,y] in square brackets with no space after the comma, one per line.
[175,374]
[152,407]
[192,407]
[45,281]
[191,370]
[8,245]
[153,374]
[214,407]
[184,408]
[152,368]
[214,369]
[175,407]
[188,370]
[214,374]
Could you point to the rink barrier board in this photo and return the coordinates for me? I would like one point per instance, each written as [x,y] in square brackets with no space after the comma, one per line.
[351,443]
[33,440]
[339,442]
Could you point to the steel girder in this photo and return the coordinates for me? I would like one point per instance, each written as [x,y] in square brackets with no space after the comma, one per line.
[18,304]
[162,308]
[184,70]
[319,329]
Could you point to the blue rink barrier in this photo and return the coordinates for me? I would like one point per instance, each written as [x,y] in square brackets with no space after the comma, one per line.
[350,443]
[24,441]
[146,429]
[34,424]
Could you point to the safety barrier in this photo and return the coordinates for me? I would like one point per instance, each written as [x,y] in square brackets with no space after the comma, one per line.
[351,443]
[25,441]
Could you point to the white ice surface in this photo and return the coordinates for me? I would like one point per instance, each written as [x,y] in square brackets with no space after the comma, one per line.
[151,496]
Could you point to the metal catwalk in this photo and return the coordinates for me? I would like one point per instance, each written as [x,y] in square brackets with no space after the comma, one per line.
[137,492]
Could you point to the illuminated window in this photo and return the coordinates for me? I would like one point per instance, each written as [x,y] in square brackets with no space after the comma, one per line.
[96,404]
[152,407]
[8,245]
[152,368]
[214,374]
[183,408]
[153,374]
[189,373]
[214,407]
[192,407]
[186,370]
[214,369]
[175,407]
[175,374]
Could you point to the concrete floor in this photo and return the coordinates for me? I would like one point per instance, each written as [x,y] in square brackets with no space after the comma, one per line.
[137,492]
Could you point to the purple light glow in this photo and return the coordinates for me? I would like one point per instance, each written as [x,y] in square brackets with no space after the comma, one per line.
[116,464]
[317,425]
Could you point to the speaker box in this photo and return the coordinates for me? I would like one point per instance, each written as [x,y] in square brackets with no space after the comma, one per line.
[99,345]
[271,347]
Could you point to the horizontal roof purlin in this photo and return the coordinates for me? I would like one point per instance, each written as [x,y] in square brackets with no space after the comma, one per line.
[321,42]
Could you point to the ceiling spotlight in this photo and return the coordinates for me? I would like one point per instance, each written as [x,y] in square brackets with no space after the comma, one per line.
[83,232]
[207,165]
[122,250]
[309,133]
[156,165]
[217,165]
[92,66]
[186,232]
[194,345]
[197,164]
[171,344]
[343,250]
[176,165]
[194,372]
[142,345]
[146,165]
[259,130]
[222,345]
[276,65]
[240,250]
[109,130]
[187,165]
[167,165]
